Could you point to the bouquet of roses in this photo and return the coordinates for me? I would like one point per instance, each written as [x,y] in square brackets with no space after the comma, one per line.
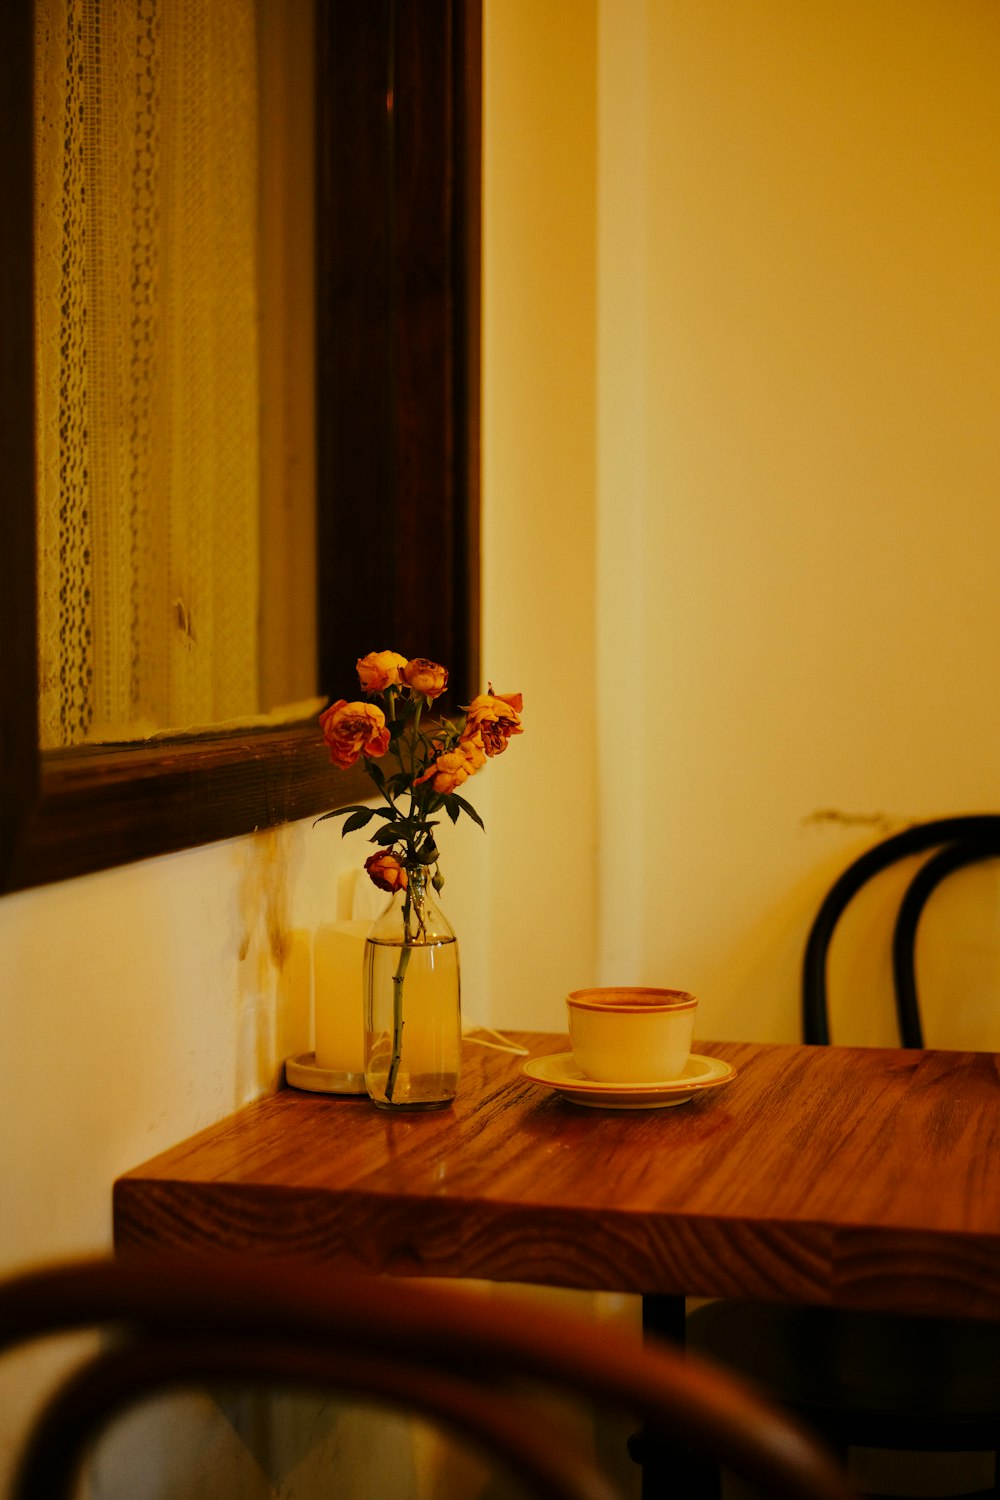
[427,765]
[432,762]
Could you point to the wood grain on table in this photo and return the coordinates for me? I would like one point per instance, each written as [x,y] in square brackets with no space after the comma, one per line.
[862,1177]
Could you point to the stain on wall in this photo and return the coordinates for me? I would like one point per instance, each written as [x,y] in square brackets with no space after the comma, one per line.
[273,1013]
[880,821]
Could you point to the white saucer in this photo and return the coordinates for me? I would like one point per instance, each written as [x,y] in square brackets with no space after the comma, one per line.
[560,1072]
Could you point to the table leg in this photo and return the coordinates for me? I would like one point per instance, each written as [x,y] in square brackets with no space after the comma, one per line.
[669,1469]
[664,1318]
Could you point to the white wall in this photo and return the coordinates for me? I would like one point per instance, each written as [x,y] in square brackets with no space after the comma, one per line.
[822,384]
[138,1006]
[539,496]
[741,300]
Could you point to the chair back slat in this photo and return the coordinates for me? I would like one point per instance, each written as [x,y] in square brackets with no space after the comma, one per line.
[962,840]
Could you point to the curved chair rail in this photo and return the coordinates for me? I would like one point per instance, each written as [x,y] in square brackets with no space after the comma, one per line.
[442,1349]
[976,831]
[904,938]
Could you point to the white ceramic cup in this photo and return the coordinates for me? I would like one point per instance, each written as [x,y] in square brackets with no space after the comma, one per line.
[631,1035]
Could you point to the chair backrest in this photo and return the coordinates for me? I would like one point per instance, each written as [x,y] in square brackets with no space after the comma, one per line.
[960,841]
[443,1352]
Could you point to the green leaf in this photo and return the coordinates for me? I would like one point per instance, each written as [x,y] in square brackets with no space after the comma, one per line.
[375,772]
[468,807]
[341,812]
[358,819]
[454,812]
[387,835]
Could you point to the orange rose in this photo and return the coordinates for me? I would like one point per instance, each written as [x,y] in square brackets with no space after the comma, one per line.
[386,872]
[380,670]
[425,676]
[453,767]
[352,729]
[493,718]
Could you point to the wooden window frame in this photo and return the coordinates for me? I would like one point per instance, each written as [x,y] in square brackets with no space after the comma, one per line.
[398,247]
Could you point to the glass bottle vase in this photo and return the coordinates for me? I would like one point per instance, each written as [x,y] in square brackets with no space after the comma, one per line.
[413,1020]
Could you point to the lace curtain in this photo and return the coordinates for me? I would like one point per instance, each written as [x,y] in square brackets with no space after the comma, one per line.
[148,356]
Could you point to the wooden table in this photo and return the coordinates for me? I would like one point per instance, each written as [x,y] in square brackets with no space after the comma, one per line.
[858,1177]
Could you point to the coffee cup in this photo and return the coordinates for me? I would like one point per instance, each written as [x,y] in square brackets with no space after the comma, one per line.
[631,1035]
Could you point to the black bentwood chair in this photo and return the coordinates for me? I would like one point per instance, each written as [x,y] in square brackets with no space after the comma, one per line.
[863,1380]
[443,1353]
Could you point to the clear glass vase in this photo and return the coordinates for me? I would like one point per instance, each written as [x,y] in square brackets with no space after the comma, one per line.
[413,1019]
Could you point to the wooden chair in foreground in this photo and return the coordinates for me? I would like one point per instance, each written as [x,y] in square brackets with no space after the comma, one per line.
[860,1379]
[445,1353]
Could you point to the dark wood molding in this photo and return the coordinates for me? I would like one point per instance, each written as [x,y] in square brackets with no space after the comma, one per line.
[468,62]
[135,800]
[398,444]
[398,357]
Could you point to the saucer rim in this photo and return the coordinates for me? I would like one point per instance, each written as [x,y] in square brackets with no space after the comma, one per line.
[722,1072]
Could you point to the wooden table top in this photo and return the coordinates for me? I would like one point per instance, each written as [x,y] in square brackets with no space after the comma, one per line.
[861,1177]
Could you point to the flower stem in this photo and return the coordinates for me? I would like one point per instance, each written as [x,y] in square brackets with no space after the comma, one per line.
[397,1020]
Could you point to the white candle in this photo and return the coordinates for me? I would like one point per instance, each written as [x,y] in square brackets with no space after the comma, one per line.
[338,964]
[295,981]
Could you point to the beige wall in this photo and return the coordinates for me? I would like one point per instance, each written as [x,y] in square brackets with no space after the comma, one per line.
[822,518]
[139,1005]
[741,342]
[539,495]
[773,376]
